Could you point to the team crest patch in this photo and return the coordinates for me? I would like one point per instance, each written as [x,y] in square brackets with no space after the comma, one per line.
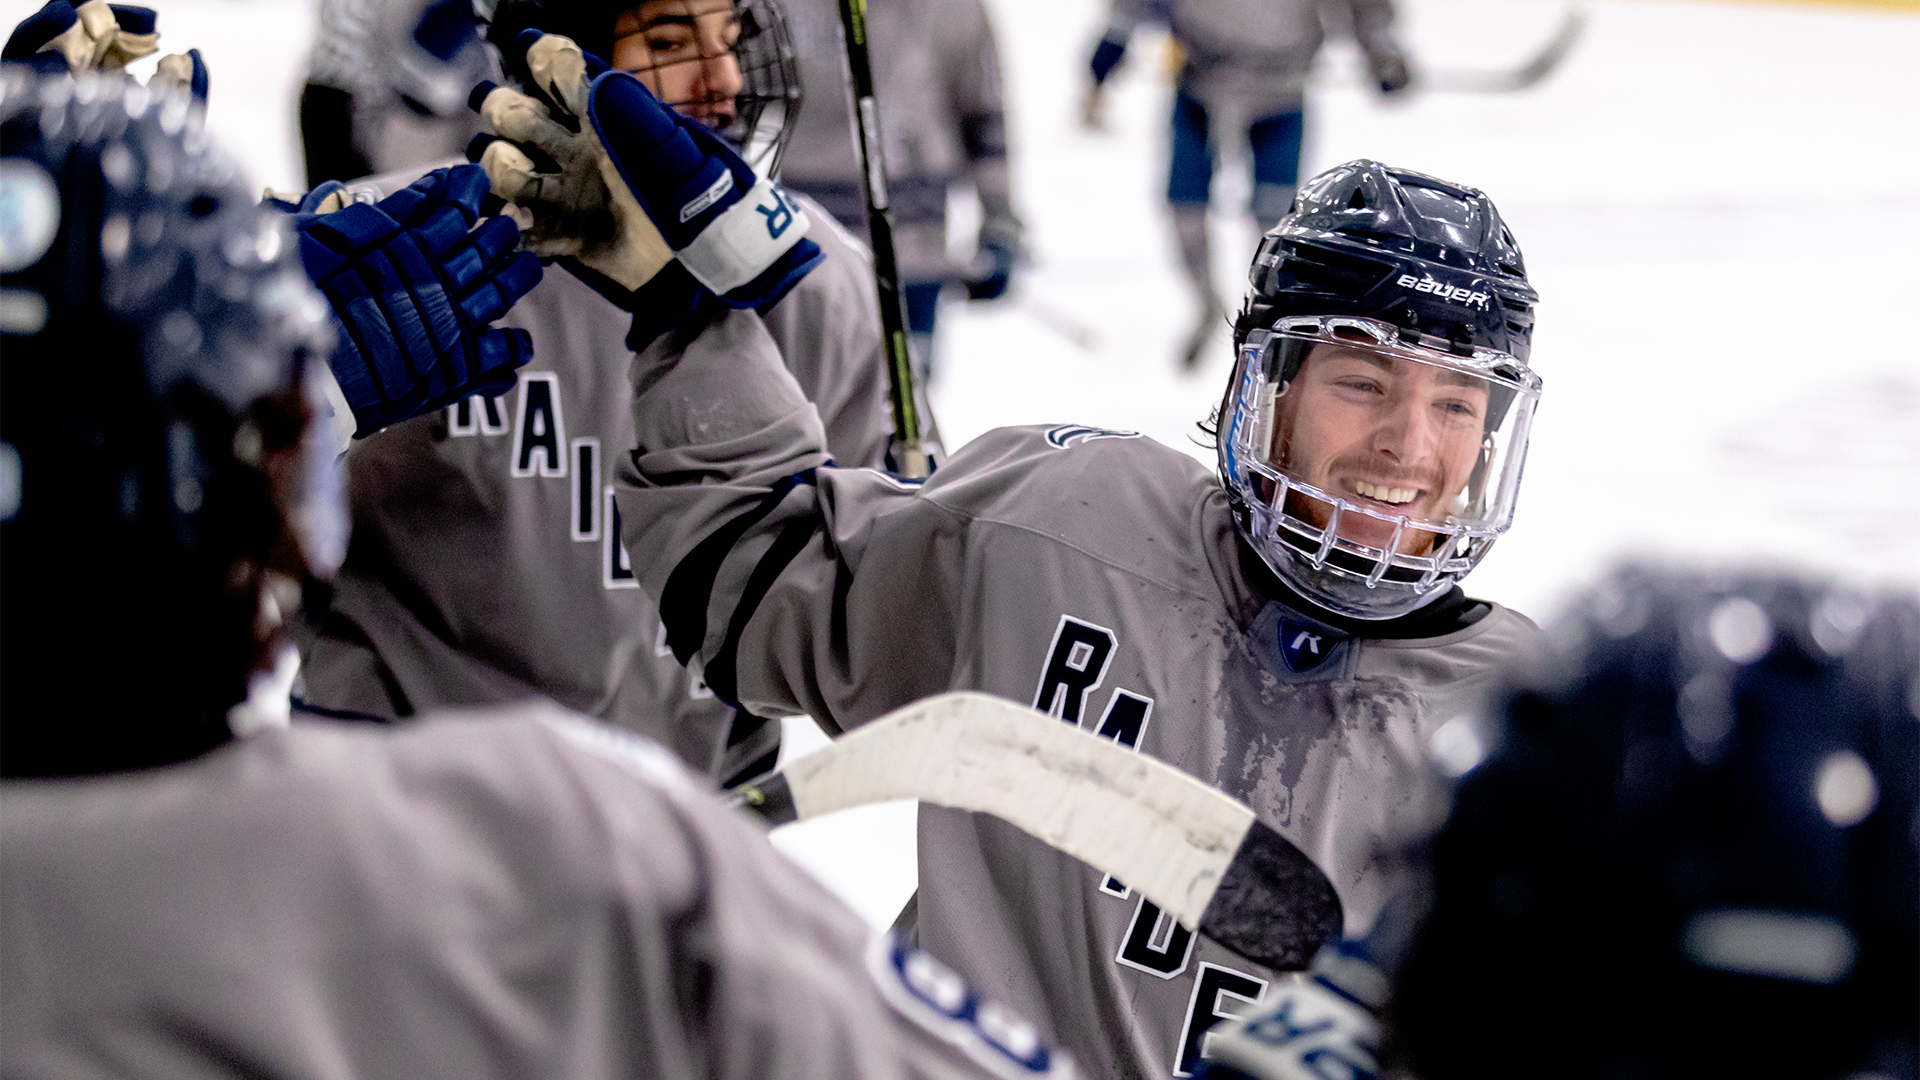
[1066,435]
[1305,646]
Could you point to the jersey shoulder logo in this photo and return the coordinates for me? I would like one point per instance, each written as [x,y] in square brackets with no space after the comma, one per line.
[1304,646]
[1066,436]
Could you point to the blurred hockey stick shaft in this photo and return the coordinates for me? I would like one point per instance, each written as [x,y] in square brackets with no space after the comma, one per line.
[1060,322]
[1542,64]
[1199,855]
[909,457]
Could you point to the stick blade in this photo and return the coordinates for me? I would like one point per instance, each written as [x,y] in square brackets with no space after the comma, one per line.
[1274,905]
[1161,831]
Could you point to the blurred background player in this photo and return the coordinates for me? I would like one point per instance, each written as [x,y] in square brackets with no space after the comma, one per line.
[1290,628]
[387,85]
[1243,67]
[486,564]
[516,894]
[1683,847]
[936,74]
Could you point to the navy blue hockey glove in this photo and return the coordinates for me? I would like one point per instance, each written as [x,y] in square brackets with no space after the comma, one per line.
[993,264]
[98,36]
[415,283]
[1321,1025]
[738,234]
[652,209]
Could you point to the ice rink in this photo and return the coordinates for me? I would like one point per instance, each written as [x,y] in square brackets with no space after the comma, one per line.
[1719,204]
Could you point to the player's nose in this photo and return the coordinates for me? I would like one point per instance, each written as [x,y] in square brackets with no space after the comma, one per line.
[1403,430]
[720,80]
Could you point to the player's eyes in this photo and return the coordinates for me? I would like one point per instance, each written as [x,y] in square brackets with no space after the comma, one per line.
[1457,411]
[1360,386]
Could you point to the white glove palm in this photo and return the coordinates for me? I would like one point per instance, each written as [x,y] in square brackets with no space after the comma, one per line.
[579,207]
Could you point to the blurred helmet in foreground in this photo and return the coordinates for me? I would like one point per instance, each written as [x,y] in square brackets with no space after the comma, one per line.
[1375,429]
[1688,850]
[153,469]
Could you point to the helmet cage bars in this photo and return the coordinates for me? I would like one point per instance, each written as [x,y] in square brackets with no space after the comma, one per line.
[1360,559]
[758,120]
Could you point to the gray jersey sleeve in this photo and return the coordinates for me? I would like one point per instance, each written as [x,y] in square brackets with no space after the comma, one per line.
[485,565]
[510,894]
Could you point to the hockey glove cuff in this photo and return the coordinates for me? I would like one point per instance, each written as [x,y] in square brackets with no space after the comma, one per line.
[738,234]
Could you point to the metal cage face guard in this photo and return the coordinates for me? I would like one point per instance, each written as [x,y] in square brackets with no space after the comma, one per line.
[758,119]
[1373,469]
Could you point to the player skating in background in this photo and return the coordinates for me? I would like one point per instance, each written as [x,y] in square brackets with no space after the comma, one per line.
[1243,68]
[519,893]
[1682,848]
[1291,631]
[486,564]
[936,73]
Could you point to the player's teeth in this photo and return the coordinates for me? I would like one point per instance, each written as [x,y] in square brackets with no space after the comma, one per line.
[1383,494]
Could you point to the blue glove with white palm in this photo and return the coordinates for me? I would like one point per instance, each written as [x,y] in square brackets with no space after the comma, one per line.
[98,36]
[654,209]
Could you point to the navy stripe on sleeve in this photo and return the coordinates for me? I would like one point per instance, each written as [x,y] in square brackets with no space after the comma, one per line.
[721,675]
[683,603]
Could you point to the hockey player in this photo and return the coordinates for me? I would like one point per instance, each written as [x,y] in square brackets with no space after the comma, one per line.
[936,74]
[486,565]
[521,893]
[1684,848]
[1243,69]
[1291,631]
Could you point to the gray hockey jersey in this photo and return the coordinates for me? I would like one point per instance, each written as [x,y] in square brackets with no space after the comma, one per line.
[485,564]
[936,77]
[520,893]
[1250,58]
[1092,573]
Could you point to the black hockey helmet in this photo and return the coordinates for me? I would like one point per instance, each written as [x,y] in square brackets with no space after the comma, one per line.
[1431,258]
[1423,279]
[1685,848]
[770,95]
[153,467]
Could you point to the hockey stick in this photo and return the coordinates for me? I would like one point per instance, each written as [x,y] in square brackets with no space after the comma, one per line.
[1543,63]
[1202,857]
[909,457]
[1058,321]
[1495,81]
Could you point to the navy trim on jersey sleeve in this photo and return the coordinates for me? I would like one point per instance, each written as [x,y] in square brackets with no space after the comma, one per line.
[689,589]
[722,675]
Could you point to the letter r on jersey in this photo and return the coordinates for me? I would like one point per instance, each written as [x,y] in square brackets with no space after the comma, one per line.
[1076,664]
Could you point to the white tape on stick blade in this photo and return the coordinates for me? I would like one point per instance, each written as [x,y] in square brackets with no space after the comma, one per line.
[1156,828]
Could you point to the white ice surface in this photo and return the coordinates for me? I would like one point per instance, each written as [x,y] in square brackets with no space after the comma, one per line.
[1718,203]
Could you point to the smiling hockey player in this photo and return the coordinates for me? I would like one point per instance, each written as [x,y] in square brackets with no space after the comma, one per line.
[485,565]
[1290,631]
[520,893]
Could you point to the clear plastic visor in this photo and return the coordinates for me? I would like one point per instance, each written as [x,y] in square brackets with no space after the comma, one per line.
[1351,439]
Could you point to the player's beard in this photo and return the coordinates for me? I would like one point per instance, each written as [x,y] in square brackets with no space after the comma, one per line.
[1364,528]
